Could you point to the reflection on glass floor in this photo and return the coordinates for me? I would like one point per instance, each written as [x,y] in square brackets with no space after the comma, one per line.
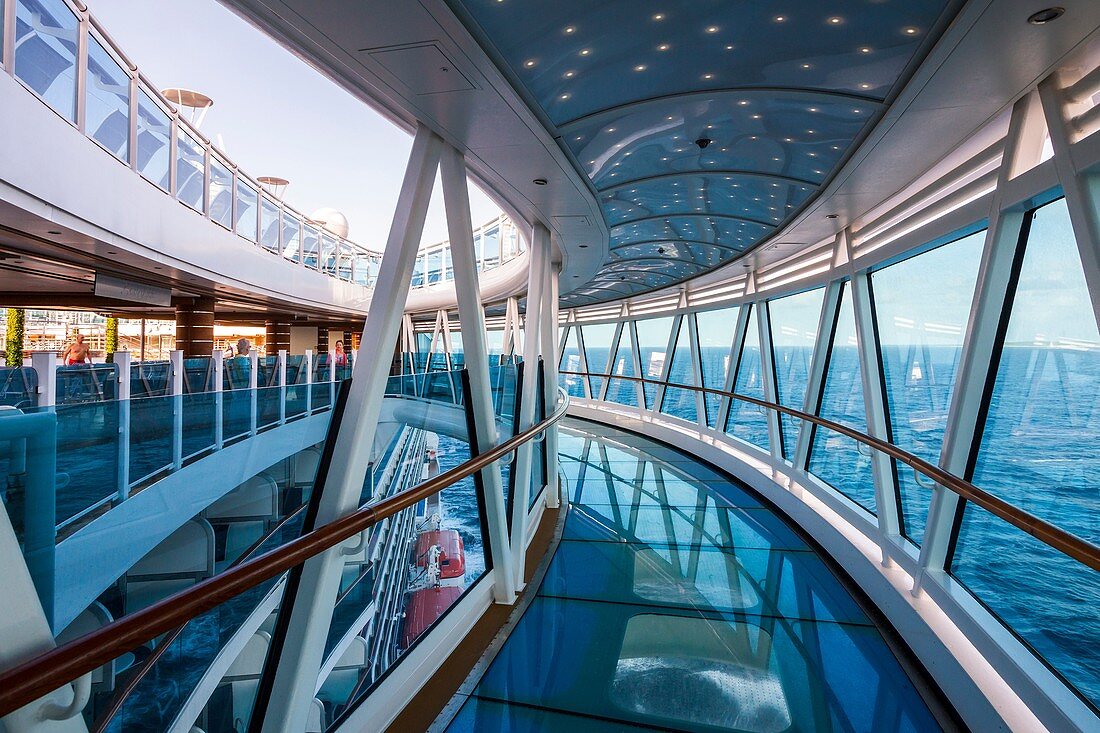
[677,601]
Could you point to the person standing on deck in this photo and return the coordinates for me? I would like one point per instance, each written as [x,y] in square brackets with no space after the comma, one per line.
[77,352]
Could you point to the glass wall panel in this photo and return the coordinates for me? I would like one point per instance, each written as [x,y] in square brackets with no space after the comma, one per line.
[434,266]
[597,350]
[292,237]
[715,329]
[794,322]
[747,421]
[921,308]
[571,362]
[839,460]
[269,224]
[418,272]
[221,193]
[1039,452]
[653,334]
[681,402]
[154,137]
[328,253]
[45,52]
[107,101]
[247,200]
[490,243]
[190,170]
[311,244]
[623,391]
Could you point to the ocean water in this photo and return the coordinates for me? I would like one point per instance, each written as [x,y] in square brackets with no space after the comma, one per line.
[1039,451]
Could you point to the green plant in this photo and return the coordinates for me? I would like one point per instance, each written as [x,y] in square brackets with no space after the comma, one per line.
[16,330]
[111,337]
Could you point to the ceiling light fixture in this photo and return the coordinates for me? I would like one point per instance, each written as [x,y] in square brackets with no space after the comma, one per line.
[1046,15]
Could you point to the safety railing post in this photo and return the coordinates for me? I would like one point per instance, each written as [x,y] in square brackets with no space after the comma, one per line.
[253,388]
[123,362]
[280,377]
[218,379]
[45,366]
[175,390]
[307,364]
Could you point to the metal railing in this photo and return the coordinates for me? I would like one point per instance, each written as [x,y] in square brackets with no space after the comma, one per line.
[1068,544]
[46,672]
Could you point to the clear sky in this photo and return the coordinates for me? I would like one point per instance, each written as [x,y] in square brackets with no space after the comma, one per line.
[274,114]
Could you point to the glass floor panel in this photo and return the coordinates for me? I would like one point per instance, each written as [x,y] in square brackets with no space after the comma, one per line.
[662,613]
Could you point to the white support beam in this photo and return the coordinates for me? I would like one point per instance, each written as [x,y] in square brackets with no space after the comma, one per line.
[616,337]
[997,273]
[176,390]
[295,678]
[522,468]
[666,366]
[740,331]
[123,361]
[550,391]
[456,198]
[636,355]
[1082,190]
[887,501]
[767,377]
[815,382]
[217,367]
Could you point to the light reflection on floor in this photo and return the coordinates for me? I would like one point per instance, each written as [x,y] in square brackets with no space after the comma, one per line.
[677,601]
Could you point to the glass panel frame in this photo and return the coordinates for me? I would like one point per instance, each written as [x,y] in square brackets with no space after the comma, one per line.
[107,100]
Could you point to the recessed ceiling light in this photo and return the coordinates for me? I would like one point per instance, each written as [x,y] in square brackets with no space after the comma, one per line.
[780,19]
[729,47]
[53,231]
[865,49]
[539,181]
[585,51]
[712,29]
[582,246]
[565,96]
[659,16]
[830,216]
[529,63]
[663,47]
[569,29]
[1046,15]
[835,20]
[112,253]
[640,67]
[864,85]
[743,102]
[910,31]
[708,76]
[570,74]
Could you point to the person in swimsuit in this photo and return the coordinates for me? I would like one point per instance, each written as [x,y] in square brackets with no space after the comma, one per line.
[77,352]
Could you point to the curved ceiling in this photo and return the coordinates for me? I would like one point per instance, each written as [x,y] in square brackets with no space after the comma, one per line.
[703,126]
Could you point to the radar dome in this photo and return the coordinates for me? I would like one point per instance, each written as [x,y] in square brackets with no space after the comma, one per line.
[332,220]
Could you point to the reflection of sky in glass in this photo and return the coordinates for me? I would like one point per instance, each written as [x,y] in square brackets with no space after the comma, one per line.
[921,308]
[681,402]
[746,421]
[597,347]
[1039,452]
[794,321]
[715,329]
[620,390]
[835,458]
[653,336]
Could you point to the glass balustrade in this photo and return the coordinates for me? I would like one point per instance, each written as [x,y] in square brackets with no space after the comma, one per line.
[48,57]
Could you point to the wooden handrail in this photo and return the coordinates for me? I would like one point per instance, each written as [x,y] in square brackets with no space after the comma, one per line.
[47,672]
[1065,542]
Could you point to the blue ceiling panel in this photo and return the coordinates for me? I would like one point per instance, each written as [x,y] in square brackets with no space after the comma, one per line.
[796,135]
[759,199]
[703,126]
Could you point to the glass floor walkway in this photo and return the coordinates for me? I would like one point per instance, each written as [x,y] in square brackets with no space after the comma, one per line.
[678,601]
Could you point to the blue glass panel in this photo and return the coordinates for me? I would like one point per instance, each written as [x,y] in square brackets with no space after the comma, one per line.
[576,58]
[794,322]
[311,246]
[190,170]
[623,391]
[715,329]
[733,233]
[921,308]
[681,402]
[107,104]
[571,362]
[154,136]
[653,335]
[221,193]
[747,421]
[738,196]
[837,459]
[292,237]
[269,224]
[1038,452]
[246,213]
[597,349]
[45,52]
